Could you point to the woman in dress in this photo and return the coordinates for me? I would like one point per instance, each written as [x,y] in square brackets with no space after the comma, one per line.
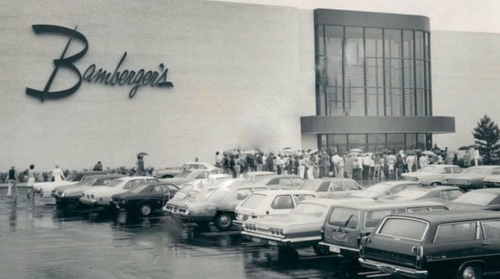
[302,166]
[310,167]
[31,180]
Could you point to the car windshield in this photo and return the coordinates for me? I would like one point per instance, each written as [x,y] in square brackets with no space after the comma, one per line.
[310,185]
[477,198]
[219,195]
[71,177]
[431,169]
[183,174]
[86,181]
[139,188]
[253,201]
[344,217]
[308,209]
[114,183]
[473,170]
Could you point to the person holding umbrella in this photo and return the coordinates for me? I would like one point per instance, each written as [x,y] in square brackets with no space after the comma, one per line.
[139,169]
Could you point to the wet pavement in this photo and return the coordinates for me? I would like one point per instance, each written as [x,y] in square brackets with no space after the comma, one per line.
[48,242]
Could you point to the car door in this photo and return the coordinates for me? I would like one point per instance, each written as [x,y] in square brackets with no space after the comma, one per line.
[456,243]
[491,244]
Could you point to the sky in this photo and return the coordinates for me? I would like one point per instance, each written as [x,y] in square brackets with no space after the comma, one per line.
[449,15]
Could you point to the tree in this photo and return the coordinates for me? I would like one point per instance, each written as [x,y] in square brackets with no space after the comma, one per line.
[486,136]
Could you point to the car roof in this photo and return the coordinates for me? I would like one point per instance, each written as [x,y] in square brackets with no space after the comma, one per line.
[284,192]
[369,205]
[487,190]
[331,179]
[396,182]
[326,202]
[242,186]
[114,175]
[127,178]
[483,167]
[452,216]
[433,188]
[90,172]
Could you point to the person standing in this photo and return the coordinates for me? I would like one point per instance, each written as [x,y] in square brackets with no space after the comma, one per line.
[139,166]
[476,156]
[325,160]
[98,166]
[410,161]
[302,167]
[58,174]
[467,159]
[218,160]
[348,166]
[31,180]
[336,161]
[12,179]
[422,161]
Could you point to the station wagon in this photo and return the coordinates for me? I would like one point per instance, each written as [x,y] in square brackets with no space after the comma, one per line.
[346,224]
[449,244]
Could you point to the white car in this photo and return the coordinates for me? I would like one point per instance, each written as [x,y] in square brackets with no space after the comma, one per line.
[45,188]
[432,174]
[271,202]
[101,196]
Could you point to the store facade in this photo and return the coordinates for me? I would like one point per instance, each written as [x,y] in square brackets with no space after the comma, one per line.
[373,82]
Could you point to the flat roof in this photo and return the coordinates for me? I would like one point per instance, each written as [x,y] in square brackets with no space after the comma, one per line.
[452,216]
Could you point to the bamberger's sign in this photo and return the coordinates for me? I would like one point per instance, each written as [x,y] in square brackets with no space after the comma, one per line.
[132,78]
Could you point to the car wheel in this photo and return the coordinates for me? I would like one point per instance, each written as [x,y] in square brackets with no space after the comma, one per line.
[223,221]
[319,250]
[470,271]
[435,183]
[145,209]
[287,256]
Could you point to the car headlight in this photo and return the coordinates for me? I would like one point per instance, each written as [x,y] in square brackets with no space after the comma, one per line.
[63,194]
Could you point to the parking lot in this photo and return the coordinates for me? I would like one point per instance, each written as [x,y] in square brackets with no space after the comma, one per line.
[47,242]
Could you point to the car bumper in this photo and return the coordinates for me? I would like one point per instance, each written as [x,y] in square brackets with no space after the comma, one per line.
[279,241]
[341,250]
[393,269]
[87,201]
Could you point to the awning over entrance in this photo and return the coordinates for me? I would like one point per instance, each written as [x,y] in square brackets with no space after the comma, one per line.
[374,124]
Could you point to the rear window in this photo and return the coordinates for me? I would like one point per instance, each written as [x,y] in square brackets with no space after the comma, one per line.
[404,228]
[253,201]
[344,217]
[307,209]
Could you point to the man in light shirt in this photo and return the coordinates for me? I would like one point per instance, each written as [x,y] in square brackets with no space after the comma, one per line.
[476,156]
[338,163]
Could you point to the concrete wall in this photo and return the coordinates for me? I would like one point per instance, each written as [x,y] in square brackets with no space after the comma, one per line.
[243,76]
[466,82]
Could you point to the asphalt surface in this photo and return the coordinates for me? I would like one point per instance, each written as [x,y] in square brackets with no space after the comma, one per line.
[48,242]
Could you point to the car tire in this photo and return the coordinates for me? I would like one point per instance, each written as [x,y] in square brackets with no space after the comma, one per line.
[470,271]
[287,256]
[223,221]
[435,183]
[145,209]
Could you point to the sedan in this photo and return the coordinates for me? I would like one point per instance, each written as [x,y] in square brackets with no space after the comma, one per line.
[472,178]
[482,199]
[102,195]
[432,174]
[172,172]
[386,188]
[145,199]
[437,193]
[72,193]
[331,187]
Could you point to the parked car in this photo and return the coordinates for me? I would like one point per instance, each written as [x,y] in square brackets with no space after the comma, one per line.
[45,188]
[172,172]
[491,181]
[299,229]
[275,181]
[482,199]
[472,177]
[432,174]
[439,245]
[271,203]
[72,193]
[440,193]
[187,176]
[347,223]
[101,196]
[330,187]
[217,206]
[145,199]
[385,188]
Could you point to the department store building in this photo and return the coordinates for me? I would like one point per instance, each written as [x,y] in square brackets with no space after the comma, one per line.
[208,76]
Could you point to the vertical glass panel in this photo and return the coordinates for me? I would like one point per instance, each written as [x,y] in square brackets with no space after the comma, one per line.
[355,101]
[394,73]
[421,141]
[334,101]
[373,42]
[419,45]
[354,56]
[428,75]
[357,141]
[407,44]
[427,46]
[411,141]
[320,40]
[338,143]
[409,74]
[421,102]
[409,102]
[395,141]
[395,102]
[420,74]
[375,101]
[374,72]
[376,142]
[334,42]
[392,43]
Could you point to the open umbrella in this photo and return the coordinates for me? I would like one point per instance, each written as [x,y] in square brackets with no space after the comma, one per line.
[387,151]
[428,152]
[356,150]
[367,154]
[353,154]
[142,154]
[410,152]
[464,148]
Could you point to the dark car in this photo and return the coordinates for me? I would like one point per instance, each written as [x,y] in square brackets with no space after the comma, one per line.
[471,178]
[433,193]
[347,223]
[482,199]
[386,188]
[145,199]
[438,245]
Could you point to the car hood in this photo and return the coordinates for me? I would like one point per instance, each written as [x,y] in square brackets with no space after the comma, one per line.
[464,206]
[180,203]
[53,184]
[77,189]
[66,187]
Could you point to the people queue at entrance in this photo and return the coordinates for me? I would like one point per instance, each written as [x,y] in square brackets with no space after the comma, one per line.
[356,165]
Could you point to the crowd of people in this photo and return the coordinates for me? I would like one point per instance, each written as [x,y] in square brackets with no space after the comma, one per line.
[354,164]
